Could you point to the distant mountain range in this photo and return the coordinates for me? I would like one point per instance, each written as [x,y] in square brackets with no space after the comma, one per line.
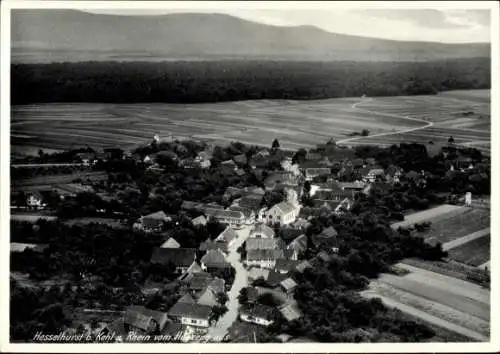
[69,35]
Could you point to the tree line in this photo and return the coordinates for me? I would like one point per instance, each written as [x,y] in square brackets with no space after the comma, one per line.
[214,81]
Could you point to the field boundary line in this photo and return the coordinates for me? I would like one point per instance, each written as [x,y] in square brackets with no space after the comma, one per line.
[465,239]
[355,106]
[484,265]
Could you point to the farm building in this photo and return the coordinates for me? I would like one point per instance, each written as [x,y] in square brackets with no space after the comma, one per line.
[290,312]
[214,259]
[281,178]
[181,258]
[200,220]
[312,173]
[285,266]
[170,243]
[251,202]
[213,245]
[258,314]
[327,239]
[301,224]
[264,258]
[248,213]
[143,320]
[302,266]
[227,236]
[261,231]
[298,245]
[288,286]
[232,192]
[191,314]
[229,217]
[154,221]
[256,273]
[263,243]
[240,159]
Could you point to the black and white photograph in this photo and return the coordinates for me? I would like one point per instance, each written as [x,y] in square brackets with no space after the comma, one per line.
[213,173]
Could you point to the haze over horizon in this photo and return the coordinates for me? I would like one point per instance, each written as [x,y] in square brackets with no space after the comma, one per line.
[427,25]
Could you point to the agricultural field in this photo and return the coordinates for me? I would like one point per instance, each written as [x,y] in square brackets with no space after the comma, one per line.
[434,214]
[456,305]
[295,123]
[453,226]
[474,253]
[46,182]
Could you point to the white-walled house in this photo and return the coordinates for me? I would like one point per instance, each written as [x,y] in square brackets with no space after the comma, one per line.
[258,314]
[283,213]
[191,314]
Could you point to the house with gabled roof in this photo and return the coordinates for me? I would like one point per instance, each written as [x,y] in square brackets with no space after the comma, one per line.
[187,298]
[227,236]
[143,320]
[326,240]
[180,258]
[311,173]
[248,213]
[191,314]
[280,178]
[21,247]
[229,217]
[261,230]
[283,213]
[240,159]
[232,192]
[298,245]
[154,221]
[208,298]
[228,166]
[199,221]
[170,243]
[258,314]
[302,266]
[288,286]
[301,223]
[290,311]
[285,266]
[263,244]
[209,244]
[214,259]
[264,258]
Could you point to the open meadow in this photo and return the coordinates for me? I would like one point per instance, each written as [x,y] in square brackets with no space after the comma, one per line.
[295,123]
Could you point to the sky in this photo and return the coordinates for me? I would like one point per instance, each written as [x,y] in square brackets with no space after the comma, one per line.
[434,25]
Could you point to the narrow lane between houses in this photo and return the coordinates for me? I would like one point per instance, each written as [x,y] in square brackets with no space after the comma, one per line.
[220,329]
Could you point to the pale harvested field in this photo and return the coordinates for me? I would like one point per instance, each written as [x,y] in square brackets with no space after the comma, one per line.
[454,304]
[433,214]
[295,123]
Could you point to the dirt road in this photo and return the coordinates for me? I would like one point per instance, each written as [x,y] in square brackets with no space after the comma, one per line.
[355,107]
